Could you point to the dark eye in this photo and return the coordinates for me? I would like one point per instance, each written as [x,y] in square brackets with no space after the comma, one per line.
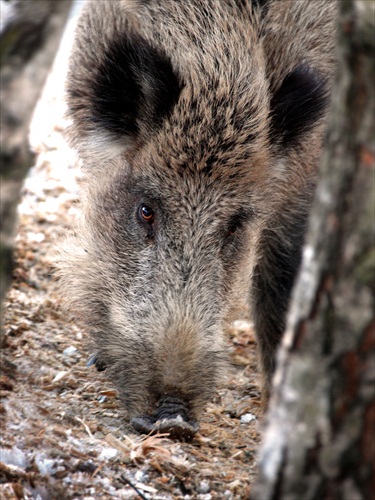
[235,226]
[231,231]
[146,214]
[232,228]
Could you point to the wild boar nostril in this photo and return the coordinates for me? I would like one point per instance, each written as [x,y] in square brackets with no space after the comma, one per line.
[94,359]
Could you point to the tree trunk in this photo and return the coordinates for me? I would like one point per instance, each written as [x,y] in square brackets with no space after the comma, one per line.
[319,431]
[30,35]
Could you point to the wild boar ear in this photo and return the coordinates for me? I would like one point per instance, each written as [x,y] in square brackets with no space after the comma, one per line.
[297,105]
[122,101]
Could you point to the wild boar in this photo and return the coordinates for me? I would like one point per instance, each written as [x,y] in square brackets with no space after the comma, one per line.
[199,124]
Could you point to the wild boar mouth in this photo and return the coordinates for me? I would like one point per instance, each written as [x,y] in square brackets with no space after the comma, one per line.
[170,416]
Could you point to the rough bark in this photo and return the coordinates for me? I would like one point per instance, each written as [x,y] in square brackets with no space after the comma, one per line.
[30,35]
[319,431]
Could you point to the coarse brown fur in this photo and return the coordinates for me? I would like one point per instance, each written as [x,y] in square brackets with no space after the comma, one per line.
[210,114]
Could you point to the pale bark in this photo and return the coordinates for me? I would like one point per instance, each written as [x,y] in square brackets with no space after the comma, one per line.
[319,431]
[30,35]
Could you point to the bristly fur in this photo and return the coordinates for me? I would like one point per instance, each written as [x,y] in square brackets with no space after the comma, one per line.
[210,114]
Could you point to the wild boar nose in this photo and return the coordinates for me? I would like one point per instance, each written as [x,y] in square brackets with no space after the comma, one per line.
[170,416]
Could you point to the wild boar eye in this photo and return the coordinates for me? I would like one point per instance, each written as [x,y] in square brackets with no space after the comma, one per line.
[236,224]
[233,227]
[146,214]
[231,232]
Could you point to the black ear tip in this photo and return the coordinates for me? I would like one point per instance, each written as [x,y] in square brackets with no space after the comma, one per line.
[133,88]
[298,104]
[124,95]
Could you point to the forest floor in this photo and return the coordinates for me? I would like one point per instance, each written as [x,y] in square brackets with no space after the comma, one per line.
[63,433]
